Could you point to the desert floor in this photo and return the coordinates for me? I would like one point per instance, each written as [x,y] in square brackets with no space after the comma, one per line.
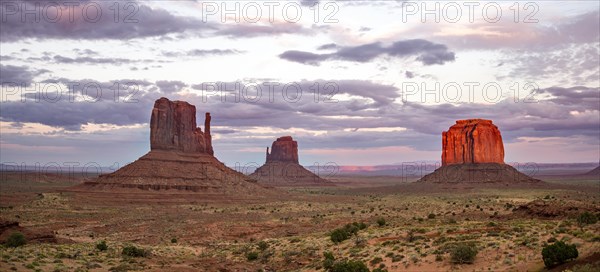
[196,232]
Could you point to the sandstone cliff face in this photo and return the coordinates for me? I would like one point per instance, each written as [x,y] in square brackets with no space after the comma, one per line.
[472,141]
[173,127]
[285,149]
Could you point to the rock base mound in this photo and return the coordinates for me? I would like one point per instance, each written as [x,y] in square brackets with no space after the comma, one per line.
[287,174]
[478,173]
[8,227]
[172,170]
[594,172]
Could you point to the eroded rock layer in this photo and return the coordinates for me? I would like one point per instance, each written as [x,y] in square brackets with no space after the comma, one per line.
[472,141]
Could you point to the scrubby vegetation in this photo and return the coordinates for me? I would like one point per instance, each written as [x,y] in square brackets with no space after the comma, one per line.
[463,253]
[16,239]
[102,246]
[342,234]
[558,253]
[587,218]
[133,251]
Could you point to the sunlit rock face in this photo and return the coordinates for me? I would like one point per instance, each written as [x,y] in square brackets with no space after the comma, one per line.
[472,141]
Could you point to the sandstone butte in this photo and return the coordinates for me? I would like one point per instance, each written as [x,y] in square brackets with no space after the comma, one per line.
[181,157]
[284,149]
[472,141]
[472,151]
[282,168]
[173,127]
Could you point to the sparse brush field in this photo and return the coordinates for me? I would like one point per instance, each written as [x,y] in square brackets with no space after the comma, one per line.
[393,228]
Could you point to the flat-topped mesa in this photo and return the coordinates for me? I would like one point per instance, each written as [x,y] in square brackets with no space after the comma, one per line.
[472,141]
[284,149]
[173,127]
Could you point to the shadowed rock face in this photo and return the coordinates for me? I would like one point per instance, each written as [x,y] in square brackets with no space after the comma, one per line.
[472,141]
[181,158]
[173,127]
[285,149]
[283,169]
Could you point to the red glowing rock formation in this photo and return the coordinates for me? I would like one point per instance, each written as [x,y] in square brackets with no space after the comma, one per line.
[285,149]
[173,127]
[472,141]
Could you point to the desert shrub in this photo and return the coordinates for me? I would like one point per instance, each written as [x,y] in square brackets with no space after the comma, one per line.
[349,266]
[431,216]
[587,218]
[439,257]
[133,251]
[173,240]
[102,246]
[16,239]
[340,234]
[376,260]
[558,253]
[379,269]
[252,255]
[381,221]
[262,245]
[329,260]
[463,253]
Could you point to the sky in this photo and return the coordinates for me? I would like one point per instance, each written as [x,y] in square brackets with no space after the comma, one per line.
[354,82]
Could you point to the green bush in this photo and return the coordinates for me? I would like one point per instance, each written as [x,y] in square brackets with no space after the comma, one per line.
[329,260]
[133,251]
[381,222]
[587,218]
[173,240]
[102,246]
[262,245]
[341,234]
[558,253]
[431,216]
[16,239]
[252,255]
[463,253]
[349,266]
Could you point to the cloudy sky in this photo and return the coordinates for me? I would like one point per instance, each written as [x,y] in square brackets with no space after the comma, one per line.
[355,82]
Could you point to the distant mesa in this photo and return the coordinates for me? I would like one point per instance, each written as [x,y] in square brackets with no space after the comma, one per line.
[594,172]
[181,158]
[282,168]
[472,151]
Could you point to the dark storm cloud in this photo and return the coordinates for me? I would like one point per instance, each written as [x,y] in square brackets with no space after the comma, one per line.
[424,51]
[18,75]
[138,21]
